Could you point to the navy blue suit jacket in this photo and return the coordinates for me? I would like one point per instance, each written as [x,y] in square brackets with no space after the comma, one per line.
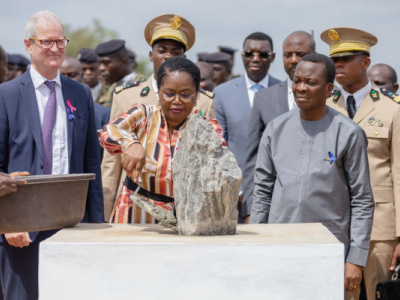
[21,139]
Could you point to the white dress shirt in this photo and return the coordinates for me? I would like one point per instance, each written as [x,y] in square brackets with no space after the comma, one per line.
[60,140]
[291,102]
[358,96]
[249,83]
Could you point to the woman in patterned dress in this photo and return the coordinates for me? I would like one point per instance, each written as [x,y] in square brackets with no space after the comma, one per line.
[147,137]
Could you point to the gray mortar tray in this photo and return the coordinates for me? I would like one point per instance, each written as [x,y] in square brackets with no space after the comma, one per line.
[45,202]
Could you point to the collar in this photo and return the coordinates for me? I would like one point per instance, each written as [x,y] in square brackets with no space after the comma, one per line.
[359,95]
[249,83]
[38,79]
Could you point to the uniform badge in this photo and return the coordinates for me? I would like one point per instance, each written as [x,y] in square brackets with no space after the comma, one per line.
[120,88]
[176,22]
[393,96]
[333,35]
[371,121]
[379,123]
[336,96]
[374,95]
[145,91]
[207,93]
[331,157]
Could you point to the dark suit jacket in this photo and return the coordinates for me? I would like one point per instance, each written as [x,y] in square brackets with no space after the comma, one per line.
[102,118]
[21,140]
[232,108]
[268,104]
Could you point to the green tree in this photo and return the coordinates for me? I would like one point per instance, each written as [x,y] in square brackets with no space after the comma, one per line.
[144,66]
[87,37]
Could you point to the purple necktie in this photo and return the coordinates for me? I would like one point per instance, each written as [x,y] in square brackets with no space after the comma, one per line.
[49,119]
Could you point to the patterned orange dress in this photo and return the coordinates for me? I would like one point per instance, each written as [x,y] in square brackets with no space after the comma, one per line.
[146,124]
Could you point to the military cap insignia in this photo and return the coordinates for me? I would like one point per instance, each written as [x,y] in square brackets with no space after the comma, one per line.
[333,35]
[176,22]
[391,95]
[145,91]
[120,88]
[207,93]
[336,96]
[374,95]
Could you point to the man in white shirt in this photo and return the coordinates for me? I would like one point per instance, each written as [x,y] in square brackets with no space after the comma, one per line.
[47,126]
[270,103]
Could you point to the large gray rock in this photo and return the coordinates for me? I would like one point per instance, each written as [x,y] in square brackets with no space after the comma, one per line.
[206,182]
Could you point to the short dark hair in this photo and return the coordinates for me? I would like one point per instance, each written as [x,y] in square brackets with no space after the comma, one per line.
[393,75]
[259,36]
[178,64]
[330,70]
[304,33]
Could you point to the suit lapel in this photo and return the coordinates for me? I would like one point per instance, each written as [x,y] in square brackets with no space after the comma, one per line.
[367,105]
[242,98]
[30,101]
[68,95]
[283,97]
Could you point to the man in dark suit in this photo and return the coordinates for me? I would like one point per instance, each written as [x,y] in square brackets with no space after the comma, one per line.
[47,126]
[233,99]
[270,103]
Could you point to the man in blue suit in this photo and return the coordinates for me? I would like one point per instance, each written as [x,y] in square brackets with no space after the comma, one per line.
[233,99]
[47,126]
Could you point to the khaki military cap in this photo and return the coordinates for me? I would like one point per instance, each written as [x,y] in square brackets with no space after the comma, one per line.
[172,27]
[344,41]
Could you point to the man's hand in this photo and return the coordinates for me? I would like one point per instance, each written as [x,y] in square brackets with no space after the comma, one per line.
[133,160]
[395,257]
[9,184]
[352,276]
[246,219]
[19,239]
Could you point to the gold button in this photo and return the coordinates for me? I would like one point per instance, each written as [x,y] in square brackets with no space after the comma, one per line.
[376,132]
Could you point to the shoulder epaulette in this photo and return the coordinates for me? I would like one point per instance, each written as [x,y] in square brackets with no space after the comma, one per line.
[207,93]
[120,88]
[391,95]
[336,95]
[145,91]
[374,94]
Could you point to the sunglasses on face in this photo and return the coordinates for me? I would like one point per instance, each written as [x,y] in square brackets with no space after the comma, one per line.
[250,54]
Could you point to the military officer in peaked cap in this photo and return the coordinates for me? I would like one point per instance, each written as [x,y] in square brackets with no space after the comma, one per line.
[377,111]
[168,36]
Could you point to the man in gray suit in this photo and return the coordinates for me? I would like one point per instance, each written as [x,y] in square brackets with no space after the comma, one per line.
[312,167]
[233,99]
[270,103]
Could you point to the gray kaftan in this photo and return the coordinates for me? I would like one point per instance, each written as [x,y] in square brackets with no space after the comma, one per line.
[316,171]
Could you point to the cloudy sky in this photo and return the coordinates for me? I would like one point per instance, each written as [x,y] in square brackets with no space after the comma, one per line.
[219,22]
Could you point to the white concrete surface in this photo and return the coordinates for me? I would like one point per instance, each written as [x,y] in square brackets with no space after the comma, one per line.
[268,261]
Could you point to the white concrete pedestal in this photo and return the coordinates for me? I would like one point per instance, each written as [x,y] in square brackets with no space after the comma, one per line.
[145,262]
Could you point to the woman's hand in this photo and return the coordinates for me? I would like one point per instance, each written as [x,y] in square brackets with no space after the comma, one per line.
[133,161]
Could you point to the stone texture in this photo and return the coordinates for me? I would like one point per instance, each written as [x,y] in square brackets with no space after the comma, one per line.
[207,179]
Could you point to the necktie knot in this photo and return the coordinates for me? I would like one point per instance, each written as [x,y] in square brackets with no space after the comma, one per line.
[256,87]
[51,85]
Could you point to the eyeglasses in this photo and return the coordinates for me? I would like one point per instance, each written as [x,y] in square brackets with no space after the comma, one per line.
[170,97]
[250,54]
[47,44]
